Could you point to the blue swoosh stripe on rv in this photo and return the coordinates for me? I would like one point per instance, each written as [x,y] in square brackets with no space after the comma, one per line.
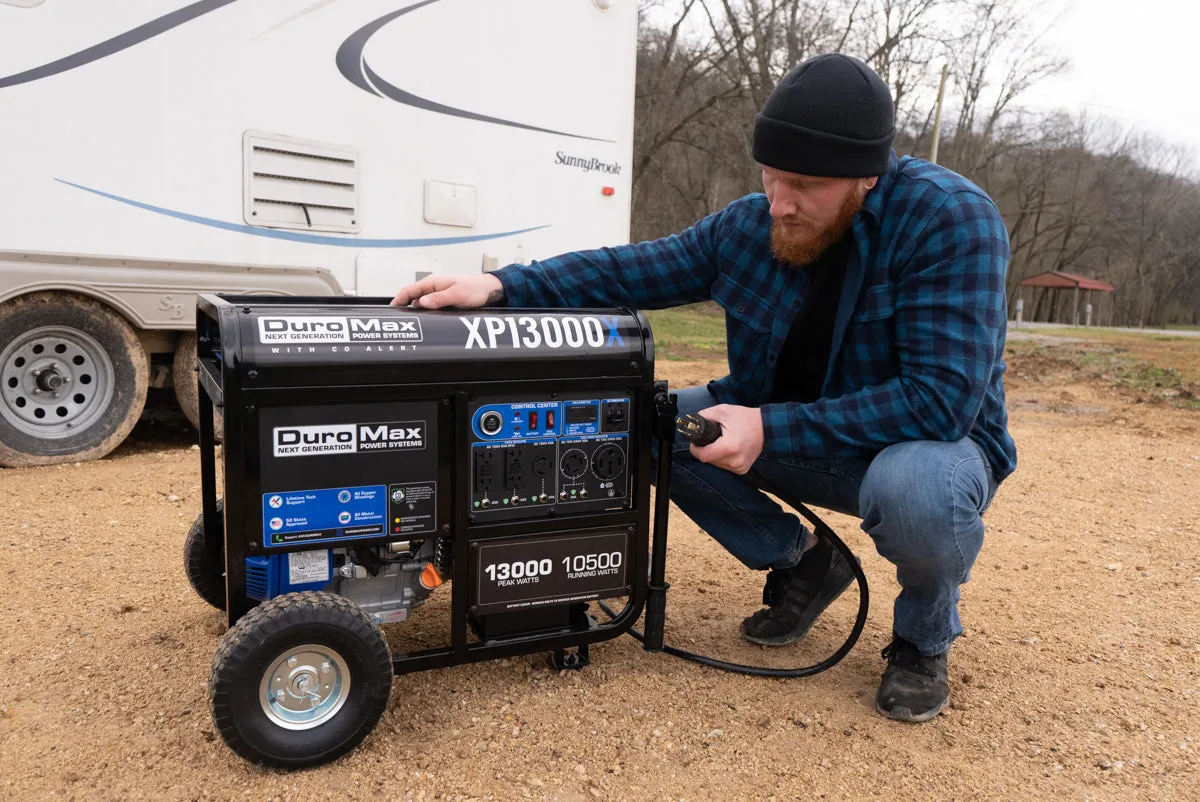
[299,236]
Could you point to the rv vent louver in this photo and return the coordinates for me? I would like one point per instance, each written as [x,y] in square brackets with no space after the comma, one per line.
[293,183]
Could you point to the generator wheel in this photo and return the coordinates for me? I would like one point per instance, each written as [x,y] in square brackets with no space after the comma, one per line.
[208,581]
[187,384]
[300,680]
[73,379]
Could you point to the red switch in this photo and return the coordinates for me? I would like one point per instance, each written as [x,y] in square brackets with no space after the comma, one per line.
[533,421]
[549,420]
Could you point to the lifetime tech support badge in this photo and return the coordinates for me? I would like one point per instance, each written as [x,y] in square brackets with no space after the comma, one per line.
[317,515]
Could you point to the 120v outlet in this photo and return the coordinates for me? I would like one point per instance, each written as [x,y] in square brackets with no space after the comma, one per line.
[487,470]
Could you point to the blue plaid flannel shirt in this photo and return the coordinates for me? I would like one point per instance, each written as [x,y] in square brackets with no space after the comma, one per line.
[918,346]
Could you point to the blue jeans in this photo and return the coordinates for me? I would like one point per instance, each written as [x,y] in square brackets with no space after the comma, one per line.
[921,502]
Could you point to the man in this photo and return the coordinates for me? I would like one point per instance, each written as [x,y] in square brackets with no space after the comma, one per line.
[866,317]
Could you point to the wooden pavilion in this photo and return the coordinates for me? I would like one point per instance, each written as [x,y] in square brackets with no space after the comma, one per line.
[1052,285]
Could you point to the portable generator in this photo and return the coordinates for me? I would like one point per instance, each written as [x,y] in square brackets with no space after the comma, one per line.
[375,455]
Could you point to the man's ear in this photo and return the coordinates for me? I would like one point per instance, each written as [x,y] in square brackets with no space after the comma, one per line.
[871,182]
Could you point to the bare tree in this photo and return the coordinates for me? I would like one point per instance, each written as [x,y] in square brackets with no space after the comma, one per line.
[997,56]
[1148,191]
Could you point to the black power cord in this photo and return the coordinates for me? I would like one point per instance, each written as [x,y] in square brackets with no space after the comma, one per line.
[702,431]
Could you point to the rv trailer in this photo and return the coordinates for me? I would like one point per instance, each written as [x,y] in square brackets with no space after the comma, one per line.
[154,150]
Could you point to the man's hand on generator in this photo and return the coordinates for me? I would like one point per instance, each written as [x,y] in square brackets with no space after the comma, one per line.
[436,292]
[741,441]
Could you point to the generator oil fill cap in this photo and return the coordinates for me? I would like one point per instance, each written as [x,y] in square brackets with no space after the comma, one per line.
[430,578]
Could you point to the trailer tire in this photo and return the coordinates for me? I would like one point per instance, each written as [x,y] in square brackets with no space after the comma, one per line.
[208,582]
[187,385]
[342,662]
[73,380]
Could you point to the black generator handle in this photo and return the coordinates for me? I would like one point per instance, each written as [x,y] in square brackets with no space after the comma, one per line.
[665,406]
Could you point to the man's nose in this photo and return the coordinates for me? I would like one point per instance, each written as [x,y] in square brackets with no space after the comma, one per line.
[783,204]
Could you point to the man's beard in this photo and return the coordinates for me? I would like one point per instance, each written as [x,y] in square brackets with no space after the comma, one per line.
[805,247]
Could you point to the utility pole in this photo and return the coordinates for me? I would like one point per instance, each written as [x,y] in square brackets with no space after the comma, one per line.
[937,118]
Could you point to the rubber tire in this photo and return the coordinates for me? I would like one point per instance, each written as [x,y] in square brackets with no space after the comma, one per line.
[187,385]
[130,368]
[247,650]
[208,585]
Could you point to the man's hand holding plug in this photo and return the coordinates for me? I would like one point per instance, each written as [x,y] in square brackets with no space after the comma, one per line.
[741,440]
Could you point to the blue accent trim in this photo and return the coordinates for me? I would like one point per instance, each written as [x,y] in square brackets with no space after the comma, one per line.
[261,577]
[296,236]
[614,334]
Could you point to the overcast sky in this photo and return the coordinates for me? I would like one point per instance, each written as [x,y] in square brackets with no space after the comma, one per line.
[1136,60]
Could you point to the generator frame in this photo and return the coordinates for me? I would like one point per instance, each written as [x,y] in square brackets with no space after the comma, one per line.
[229,387]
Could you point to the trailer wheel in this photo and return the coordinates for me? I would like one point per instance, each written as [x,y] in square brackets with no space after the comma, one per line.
[187,384]
[300,680]
[73,380]
[207,580]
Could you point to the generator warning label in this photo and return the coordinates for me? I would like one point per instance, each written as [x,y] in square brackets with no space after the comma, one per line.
[306,567]
[347,438]
[412,508]
[304,515]
[339,329]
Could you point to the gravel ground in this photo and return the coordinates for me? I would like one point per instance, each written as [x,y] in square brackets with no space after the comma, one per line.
[1077,679]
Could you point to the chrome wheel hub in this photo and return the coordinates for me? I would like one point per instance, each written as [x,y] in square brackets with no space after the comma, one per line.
[305,687]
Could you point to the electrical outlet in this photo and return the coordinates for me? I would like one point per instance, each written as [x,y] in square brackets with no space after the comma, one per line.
[513,467]
[573,464]
[608,462]
[486,470]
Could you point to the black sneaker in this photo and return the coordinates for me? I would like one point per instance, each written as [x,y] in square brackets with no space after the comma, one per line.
[914,686]
[796,597]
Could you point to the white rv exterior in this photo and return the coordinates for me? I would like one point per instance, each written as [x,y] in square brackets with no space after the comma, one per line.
[154,149]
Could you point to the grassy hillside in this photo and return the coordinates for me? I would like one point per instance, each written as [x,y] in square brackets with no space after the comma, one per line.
[696,331]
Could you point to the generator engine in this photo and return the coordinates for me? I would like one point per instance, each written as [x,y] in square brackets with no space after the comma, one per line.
[385,581]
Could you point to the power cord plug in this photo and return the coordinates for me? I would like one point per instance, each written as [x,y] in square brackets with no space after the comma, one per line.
[698,430]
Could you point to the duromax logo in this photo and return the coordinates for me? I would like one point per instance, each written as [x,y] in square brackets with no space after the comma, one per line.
[338,329]
[347,438]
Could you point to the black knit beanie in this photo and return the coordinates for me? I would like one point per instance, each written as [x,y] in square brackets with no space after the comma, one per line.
[830,116]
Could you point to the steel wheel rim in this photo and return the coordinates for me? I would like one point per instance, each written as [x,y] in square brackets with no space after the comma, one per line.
[55,382]
[305,687]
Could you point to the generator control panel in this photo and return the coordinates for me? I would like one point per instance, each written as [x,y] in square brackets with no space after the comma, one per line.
[566,453]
